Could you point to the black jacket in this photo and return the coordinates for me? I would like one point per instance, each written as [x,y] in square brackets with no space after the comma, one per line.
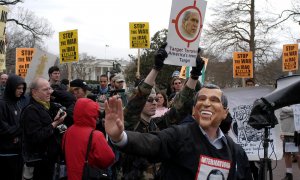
[66,99]
[180,149]
[40,139]
[10,110]
[241,158]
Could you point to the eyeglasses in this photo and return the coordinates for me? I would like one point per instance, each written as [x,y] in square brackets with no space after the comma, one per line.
[151,99]
[46,89]
[177,83]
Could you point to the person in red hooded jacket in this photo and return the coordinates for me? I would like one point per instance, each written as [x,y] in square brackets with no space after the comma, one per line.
[76,139]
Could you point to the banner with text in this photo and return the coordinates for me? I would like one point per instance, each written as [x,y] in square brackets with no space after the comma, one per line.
[139,33]
[3,19]
[185,27]
[242,65]
[23,59]
[290,57]
[68,46]
[240,102]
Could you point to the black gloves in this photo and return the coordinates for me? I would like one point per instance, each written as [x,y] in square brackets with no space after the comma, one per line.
[196,71]
[160,55]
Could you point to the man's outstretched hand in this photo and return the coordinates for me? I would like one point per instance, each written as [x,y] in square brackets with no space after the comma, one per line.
[160,55]
[114,119]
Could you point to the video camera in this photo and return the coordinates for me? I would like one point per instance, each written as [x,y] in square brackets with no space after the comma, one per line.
[262,113]
[61,108]
[115,92]
[107,94]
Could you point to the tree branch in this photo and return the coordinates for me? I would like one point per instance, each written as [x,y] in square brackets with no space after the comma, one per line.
[10,2]
[26,27]
[290,14]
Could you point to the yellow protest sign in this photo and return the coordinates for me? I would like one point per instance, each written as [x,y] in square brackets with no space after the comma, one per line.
[68,46]
[290,57]
[23,59]
[3,11]
[139,35]
[242,65]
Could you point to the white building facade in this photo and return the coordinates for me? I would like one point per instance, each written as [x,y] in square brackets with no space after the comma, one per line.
[93,69]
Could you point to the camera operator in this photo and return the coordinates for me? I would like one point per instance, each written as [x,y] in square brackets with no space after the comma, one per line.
[40,120]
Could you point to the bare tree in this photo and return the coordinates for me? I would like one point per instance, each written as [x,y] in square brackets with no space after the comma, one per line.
[293,14]
[10,2]
[24,18]
[239,27]
[81,68]
[27,20]
[17,38]
[23,29]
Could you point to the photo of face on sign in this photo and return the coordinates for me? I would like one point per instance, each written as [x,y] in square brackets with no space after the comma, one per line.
[190,22]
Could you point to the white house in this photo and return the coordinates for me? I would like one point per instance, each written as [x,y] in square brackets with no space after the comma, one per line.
[93,69]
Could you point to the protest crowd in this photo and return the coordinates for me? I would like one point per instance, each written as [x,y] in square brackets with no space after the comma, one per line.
[54,129]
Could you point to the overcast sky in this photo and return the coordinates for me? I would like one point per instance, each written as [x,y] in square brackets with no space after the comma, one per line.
[106,22]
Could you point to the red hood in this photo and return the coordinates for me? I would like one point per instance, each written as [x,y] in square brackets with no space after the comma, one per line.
[86,112]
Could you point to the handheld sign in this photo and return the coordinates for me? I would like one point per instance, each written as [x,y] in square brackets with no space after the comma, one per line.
[68,46]
[39,65]
[242,65]
[23,59]
[185,26]
[139,35]
[3,11]
[290,57]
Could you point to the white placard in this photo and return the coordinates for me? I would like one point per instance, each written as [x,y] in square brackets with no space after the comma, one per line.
[240,102]
[40,63]
[186,23]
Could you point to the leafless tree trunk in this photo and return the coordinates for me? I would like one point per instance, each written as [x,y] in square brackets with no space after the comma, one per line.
[239,27]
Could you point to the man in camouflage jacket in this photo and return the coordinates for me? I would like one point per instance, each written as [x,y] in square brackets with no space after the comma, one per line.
[142,105]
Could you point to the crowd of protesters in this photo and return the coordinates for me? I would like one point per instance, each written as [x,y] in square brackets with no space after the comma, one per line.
[152,134]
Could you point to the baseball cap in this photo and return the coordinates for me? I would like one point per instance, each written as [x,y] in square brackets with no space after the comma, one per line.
[119,78]
[80,83]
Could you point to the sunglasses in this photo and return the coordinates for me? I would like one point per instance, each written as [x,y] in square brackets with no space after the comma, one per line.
[151,99]
[177,83]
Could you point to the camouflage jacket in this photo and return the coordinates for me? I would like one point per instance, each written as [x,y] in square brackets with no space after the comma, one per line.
[135,167]
[179,110]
